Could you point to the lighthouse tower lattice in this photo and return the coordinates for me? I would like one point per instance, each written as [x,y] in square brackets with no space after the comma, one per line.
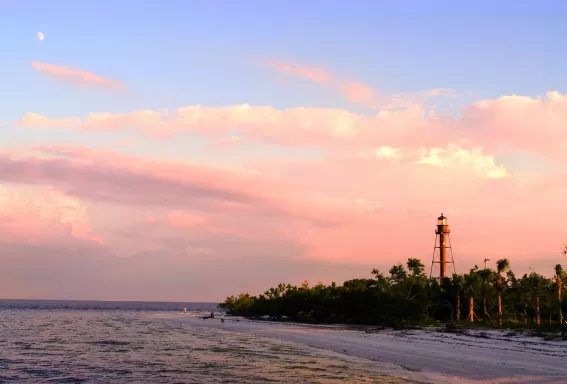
[442,249]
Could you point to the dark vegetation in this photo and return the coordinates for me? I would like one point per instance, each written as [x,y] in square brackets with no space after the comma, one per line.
[407,297]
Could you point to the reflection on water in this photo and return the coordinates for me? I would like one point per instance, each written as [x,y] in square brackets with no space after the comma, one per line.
[126,347]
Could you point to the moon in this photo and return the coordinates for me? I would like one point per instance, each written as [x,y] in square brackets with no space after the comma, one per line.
[40,36]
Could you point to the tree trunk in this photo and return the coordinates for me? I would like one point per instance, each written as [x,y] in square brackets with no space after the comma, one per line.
[525,314]
[471,309]
[484,308]
[484,311]
[559,289]
[500,309]
[458,307]
[538,317]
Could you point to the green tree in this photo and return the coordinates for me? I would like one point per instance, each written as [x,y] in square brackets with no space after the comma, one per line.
[239,305]
[502,266]
[406,296]
[472,281]
[487,275]
[397,274]
[458,283]
[535,286]
[416,267]
[560,277]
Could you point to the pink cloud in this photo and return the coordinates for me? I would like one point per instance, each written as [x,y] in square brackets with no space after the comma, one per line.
[338,209]
[75,169]
[371,198]
[150,220]
[210,223]
[221,143]
[520,122]
[507,123]
[316,74]
[33,120]
[441,92]
[126,143]
[42,213]
[357,92]
[76,76]
[180,219]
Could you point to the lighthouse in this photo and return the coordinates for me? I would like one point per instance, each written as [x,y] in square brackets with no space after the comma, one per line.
[442,251]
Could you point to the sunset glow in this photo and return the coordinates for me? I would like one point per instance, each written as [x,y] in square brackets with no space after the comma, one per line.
[145,163]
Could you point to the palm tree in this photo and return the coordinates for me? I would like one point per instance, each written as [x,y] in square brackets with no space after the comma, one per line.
[502,266]
[472,281]
[536,284]
[524,292]
[487,275]
[459,284]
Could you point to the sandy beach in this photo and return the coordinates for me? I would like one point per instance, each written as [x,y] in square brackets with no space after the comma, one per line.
[476,357]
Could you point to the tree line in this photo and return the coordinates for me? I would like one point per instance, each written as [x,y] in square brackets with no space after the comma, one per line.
[406,296]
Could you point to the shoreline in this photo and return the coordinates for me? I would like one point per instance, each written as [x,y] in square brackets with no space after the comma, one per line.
[459,329]
[477,356]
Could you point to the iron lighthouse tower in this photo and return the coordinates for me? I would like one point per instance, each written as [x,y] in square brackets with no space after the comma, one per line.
[442,251]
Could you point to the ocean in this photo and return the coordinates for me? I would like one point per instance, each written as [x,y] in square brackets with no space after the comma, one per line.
[133,342]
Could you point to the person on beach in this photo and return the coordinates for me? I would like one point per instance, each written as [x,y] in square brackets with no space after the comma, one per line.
[222,319]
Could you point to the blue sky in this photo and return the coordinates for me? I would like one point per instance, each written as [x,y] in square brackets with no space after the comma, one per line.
[175,53]
[183,52]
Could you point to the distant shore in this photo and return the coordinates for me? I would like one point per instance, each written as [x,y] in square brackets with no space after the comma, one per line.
[476,356]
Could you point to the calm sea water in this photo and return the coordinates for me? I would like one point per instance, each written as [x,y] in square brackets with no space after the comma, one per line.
[111,342]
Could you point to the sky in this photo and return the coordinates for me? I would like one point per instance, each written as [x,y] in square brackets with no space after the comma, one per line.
[187,151]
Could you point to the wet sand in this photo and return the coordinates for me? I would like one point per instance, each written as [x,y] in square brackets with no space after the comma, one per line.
[477,357]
